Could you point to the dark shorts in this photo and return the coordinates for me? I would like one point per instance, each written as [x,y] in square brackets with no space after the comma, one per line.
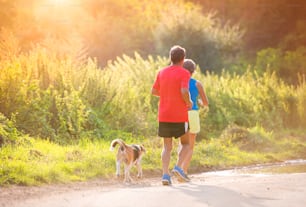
[169,129]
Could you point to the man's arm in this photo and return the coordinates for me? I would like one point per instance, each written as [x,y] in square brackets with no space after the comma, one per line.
[154,92]
[186,96]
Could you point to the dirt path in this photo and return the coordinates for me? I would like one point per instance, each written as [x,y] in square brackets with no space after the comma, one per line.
[206,189]
[13,195]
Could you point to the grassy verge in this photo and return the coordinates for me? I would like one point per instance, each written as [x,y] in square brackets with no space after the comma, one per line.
[39,161]
[36,161]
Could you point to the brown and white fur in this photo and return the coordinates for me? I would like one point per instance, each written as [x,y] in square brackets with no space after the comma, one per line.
[130,155]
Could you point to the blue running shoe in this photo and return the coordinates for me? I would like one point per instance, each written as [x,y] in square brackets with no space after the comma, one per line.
[166,180]
[179,173]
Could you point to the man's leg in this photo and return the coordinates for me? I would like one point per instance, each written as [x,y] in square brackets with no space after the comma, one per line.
[183,153]
[184,150]
[192,139]
[166,154]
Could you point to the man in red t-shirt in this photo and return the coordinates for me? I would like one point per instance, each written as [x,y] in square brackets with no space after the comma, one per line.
[172,87]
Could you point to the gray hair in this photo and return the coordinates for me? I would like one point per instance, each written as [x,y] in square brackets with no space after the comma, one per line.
[189,65]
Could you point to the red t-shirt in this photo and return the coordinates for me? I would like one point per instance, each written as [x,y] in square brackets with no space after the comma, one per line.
[169,82]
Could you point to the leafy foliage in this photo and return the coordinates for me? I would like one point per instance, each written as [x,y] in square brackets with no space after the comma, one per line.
[8,132]
[289,65]
[107,29]
[206,40]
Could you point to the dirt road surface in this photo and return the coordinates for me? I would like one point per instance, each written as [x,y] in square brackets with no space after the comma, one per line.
[206,190]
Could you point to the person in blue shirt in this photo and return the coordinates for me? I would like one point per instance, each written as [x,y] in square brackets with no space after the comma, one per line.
[199,99]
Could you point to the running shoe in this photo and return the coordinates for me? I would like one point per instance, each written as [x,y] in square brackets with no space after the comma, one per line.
[166,179]
[179,173]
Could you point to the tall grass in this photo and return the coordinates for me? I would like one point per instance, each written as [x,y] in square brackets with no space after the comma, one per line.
[250,99]
[64,100]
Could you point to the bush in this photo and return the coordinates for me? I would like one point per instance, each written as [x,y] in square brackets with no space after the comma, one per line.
[8,132]
[288,65]
[206,40]
[293,66]
[268,59]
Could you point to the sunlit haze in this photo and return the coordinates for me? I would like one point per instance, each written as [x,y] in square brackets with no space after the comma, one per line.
[59,2]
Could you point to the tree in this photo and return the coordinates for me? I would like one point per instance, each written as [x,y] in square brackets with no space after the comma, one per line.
[267,23]
[206,40]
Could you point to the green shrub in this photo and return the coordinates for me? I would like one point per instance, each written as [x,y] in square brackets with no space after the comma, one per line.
[268,59]
[207,41]
[8,131]
[288,65]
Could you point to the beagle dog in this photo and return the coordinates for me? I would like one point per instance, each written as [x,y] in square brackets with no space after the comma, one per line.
[130,155]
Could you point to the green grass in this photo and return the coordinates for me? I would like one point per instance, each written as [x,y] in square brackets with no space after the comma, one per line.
[37,161]
[41,161]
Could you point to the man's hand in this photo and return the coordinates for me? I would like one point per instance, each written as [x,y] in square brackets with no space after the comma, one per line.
[189,104]
[201,104]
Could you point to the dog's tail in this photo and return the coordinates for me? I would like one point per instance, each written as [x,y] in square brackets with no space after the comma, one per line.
[115,142]
[142,148]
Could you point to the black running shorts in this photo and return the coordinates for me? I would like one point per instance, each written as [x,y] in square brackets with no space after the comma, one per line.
[169,129]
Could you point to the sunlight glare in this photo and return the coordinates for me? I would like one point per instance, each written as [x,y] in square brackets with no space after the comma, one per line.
[59,2]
